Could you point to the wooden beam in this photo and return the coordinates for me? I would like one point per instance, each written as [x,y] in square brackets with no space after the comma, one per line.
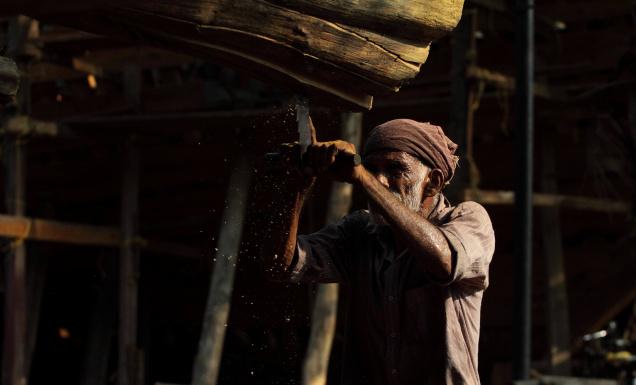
[498,197]
[41,72]
[36,229]
[508,82]
[53,231]
[418,19]
[23,125]
[208,359]
[129,364]
[323,319]
[103,62]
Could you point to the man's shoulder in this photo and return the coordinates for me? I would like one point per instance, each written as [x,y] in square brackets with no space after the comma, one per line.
[466,210]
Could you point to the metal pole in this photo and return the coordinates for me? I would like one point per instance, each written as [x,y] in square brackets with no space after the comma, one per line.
[524,47]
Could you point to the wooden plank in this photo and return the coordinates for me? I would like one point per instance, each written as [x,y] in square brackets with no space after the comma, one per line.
[22,125]
[417,19]
[558,316]
[323,320]
[301,48]
[508,82]
[103,62]
[41,72]
[285,28]
[208,359]
[53,231]
[498,197]
[129,365]
[36,229]
[278,64]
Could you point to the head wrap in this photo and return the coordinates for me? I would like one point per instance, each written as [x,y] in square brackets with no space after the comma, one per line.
[424,141]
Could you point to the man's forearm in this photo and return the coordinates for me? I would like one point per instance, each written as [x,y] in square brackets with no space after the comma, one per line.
[423,239]
[279,244]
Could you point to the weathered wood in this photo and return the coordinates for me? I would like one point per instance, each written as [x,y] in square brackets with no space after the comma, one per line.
[23,125]
[417,20]
[323,320]
[47,230]
[506,82]
[557,296]
[286,31]
[36,229]
[104,62]
[540,199]
[208,358]
[375,49]
[128,372]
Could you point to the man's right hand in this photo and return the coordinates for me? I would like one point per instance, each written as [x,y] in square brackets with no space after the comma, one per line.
[336,159]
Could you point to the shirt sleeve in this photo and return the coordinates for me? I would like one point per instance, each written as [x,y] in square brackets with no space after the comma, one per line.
[324,256]
[472,241]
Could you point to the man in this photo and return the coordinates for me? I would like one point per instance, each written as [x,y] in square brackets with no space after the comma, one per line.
[414,266]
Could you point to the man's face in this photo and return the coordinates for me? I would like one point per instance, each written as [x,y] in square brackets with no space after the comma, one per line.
[404,175]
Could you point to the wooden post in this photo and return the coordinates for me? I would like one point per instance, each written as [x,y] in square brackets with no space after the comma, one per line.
[557,296]
[129,370]
[101,331]
[464,55]
[323,320]
[15,343]
[15,333]
[217,309]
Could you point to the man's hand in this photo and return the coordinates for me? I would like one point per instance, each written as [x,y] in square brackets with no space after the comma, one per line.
[334,159]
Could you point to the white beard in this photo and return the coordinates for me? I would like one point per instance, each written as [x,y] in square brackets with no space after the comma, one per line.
[412,200]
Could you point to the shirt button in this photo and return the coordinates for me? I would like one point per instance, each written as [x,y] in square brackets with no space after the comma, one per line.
[391,298]
[394,371]
[393,335]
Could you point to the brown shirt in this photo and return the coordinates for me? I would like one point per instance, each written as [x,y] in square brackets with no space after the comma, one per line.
[402,327]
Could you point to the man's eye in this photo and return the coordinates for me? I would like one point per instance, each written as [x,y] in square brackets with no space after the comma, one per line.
[396,169]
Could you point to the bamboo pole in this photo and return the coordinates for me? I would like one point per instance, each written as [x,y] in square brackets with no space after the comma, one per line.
[217,309]
[129,369]
[15,333]
[557,296]
[15,342]
[323,320]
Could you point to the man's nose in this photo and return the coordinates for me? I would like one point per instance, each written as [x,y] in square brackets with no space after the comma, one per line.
[382,179]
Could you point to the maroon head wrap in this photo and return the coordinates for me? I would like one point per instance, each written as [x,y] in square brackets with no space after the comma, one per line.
[424,141]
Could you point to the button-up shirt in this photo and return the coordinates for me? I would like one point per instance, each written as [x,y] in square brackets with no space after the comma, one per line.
[403,327]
